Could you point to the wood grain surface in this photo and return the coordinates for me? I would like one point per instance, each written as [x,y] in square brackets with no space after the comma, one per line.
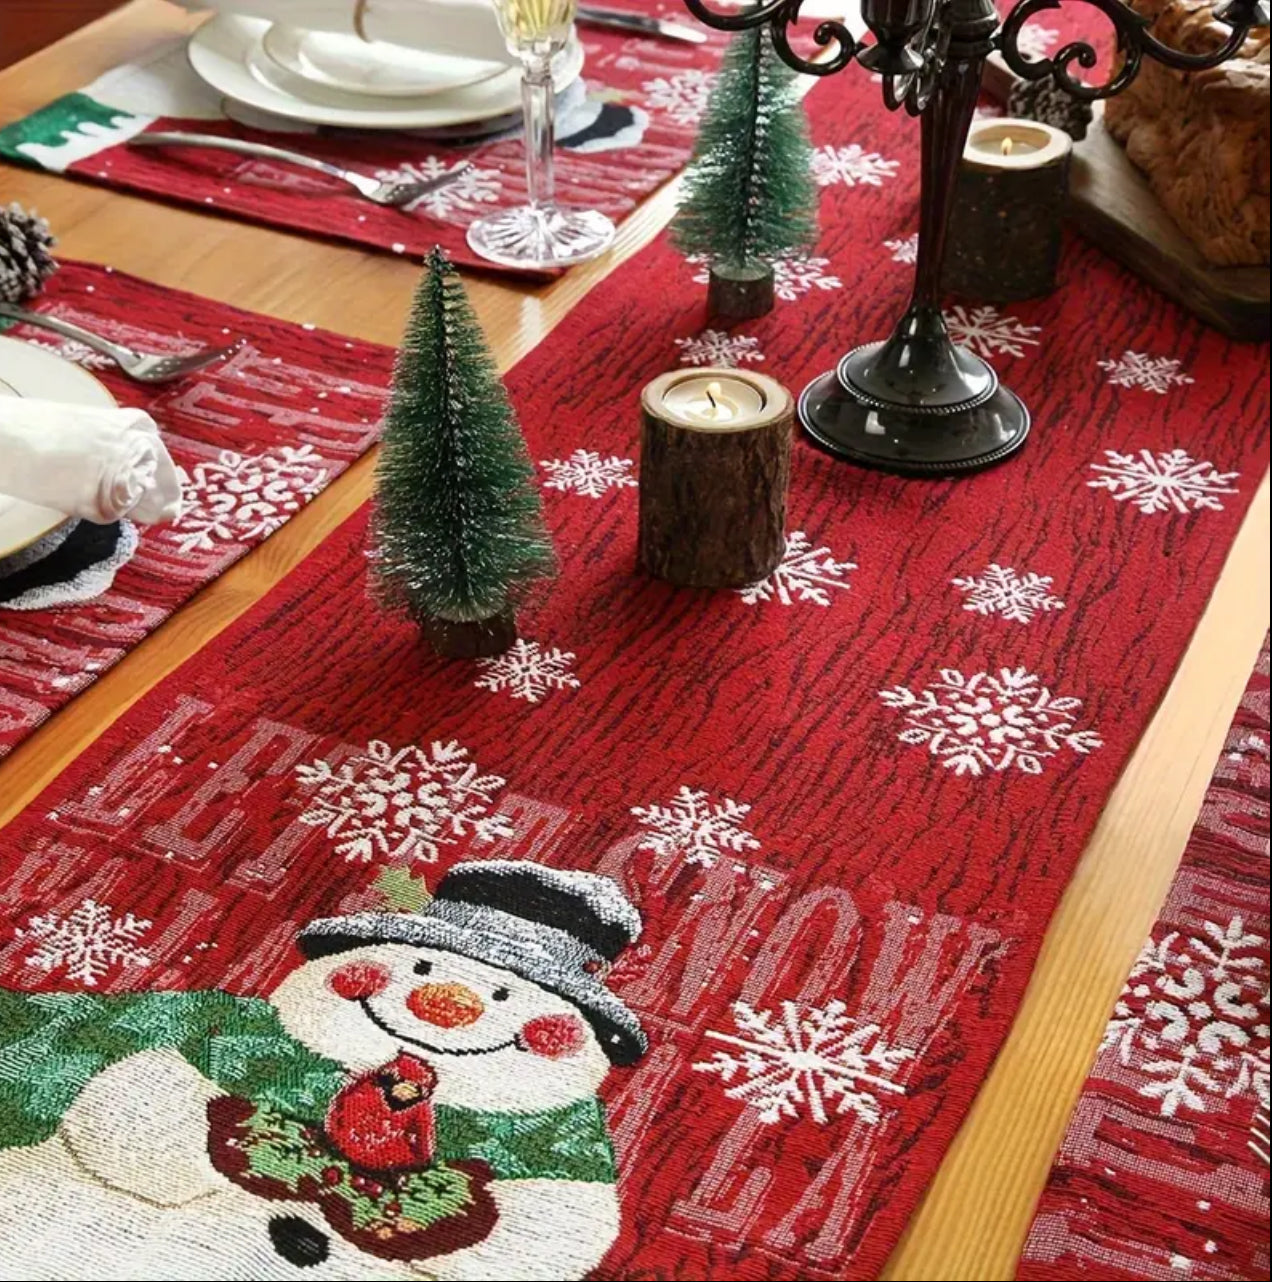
[978,1210]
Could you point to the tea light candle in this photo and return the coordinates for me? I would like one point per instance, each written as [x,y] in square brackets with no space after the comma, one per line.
[714,466]
[1004,237]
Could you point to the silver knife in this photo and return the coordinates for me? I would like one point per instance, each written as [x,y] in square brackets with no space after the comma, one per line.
[620,20]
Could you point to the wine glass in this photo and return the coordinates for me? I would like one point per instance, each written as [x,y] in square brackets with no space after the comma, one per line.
[541,234]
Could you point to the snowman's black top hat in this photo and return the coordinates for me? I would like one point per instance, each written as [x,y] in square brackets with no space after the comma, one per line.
[555,927]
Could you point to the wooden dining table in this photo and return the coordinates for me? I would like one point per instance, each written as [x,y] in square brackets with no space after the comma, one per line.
[973,1221]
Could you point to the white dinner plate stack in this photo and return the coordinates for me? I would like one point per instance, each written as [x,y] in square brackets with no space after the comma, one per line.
[324,78]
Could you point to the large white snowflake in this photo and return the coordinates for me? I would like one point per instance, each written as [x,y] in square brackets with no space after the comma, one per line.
[991,721]
[852,166]
[683,96]
[87,943]
[1170,481]
[717,347]
[792,277]
[586,472]
[695,827]
[1000,590]
[810,1062]
[463,195]
[1192,1019]
[236,498]
[1034,41]
[402,803]
[77,353]
[528,671]
[985,330]
[1150,373]
[905,250]
[805,573]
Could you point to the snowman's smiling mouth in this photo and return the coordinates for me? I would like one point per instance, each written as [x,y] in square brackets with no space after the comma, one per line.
[385,1027]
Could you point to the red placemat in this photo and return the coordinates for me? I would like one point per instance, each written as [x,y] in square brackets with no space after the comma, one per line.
[1164,1169]
[845,802]
[629,132]
[256,438]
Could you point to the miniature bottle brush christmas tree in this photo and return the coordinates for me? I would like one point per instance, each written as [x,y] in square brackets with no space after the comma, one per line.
[750,197]
[459,533]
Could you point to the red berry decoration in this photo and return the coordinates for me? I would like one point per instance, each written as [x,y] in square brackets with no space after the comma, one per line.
[383,1120]
[553,1036]
[359,980]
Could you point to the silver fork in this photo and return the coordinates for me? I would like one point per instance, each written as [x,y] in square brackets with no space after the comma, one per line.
[393,193]
[144,367]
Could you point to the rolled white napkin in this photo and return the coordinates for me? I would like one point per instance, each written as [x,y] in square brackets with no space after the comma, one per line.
[97,464]
[466,28]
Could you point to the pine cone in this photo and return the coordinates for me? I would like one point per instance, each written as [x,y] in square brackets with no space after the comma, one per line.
[1045,101]
[26,254]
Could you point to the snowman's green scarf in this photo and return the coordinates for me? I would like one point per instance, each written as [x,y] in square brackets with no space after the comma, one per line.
[52,1044]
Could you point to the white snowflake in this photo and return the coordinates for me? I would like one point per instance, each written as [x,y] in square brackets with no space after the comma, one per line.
[402,803]
[812,1062]
[716,347]
[1000,590]
[586,472]
[1034,41]
[528,671]
[1192,1018]
[985,330]
[991,721]
[805,573]
[1150,373]
[87,943]
[1170,481]
[75,352]
[240,497]
[904,251]
[792,277]
[682,96]
[464,195]
[851,166]
[696,827]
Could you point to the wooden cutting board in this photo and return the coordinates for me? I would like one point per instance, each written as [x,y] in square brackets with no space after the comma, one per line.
[1112,203]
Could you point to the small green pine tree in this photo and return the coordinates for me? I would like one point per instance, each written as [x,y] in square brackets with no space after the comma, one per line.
[459,531]
[749,193]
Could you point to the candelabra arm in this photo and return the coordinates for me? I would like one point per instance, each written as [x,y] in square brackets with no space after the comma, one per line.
[781,15]
[1134,41]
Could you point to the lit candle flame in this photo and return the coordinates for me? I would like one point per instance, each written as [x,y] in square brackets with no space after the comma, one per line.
[1008,146]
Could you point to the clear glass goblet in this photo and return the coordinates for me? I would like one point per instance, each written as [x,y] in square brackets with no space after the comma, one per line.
[541,234]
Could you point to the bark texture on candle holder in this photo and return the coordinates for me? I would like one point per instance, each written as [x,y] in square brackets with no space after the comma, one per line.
[713,500]
[481,640]
[1004,237]
[740,293]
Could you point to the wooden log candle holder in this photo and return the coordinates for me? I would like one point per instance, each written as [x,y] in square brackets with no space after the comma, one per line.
[1009,200]
[714,470]
[739,293]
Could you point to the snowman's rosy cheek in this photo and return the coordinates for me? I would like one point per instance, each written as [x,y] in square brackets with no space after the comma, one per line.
[553,1036]
[359,980]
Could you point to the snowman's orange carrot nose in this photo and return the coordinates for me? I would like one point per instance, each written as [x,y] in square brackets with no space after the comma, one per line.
[445,1005]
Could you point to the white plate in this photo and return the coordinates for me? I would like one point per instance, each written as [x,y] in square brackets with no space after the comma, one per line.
[357,66]
[29,371]
[226,53]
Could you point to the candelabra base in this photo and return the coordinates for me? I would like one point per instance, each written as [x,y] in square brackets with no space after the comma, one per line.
[949,441]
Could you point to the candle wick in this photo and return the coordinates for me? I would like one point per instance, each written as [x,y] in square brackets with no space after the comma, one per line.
[1008,146]
[712,388]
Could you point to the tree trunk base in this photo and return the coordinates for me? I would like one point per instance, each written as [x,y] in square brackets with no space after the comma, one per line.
[737,294]
[480,640]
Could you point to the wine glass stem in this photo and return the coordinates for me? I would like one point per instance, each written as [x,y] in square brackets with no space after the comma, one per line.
[537,102]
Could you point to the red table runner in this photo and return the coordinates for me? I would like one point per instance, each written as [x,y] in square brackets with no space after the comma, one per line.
[256,438]
[631,131]
[1164,1170]
[844,801]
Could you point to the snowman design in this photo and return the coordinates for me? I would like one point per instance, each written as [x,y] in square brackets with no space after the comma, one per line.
[417,1100]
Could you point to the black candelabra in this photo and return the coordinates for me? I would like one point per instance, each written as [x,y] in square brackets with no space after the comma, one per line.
[916,403]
